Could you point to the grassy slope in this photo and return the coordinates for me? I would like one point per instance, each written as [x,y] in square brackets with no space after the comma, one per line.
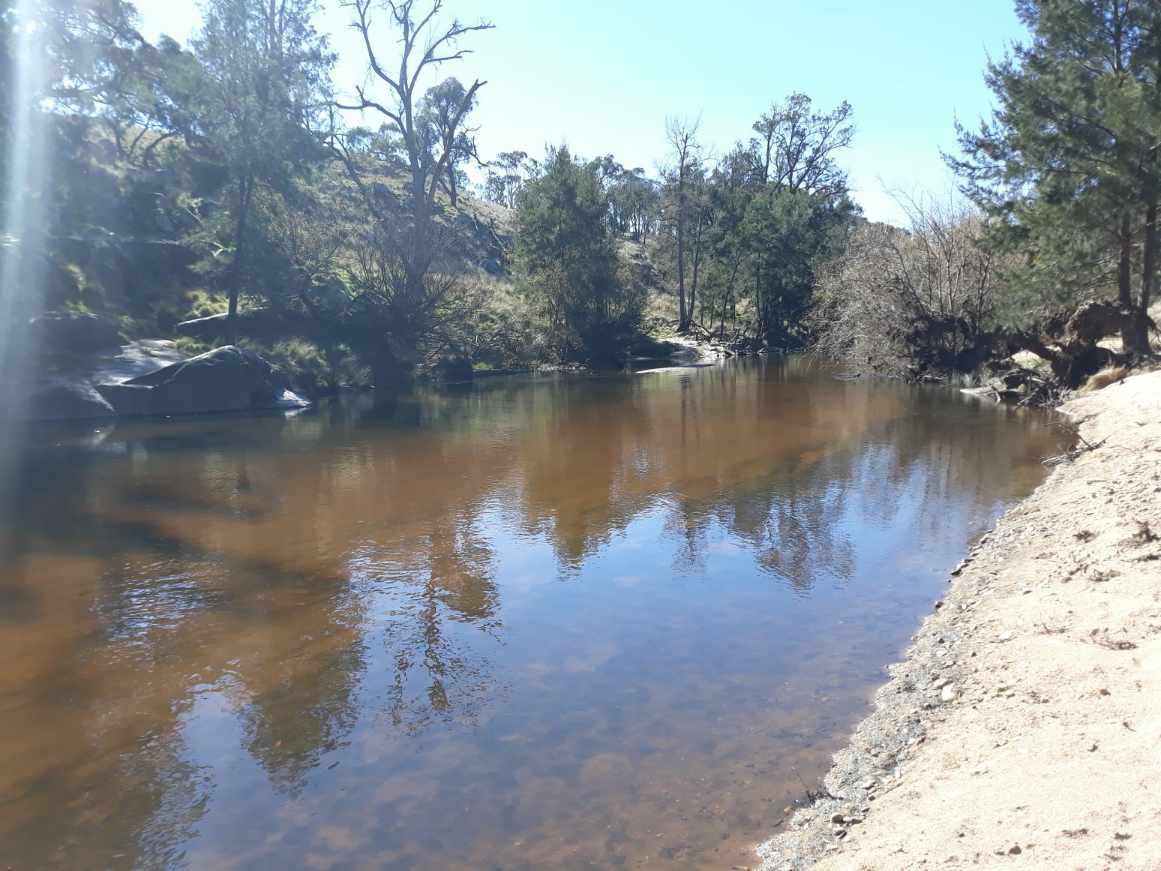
[118,255]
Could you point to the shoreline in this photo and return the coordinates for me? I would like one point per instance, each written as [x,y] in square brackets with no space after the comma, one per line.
[1021,725]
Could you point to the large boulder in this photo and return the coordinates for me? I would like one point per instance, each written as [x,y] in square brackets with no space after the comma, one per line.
[67,400]
[74,332]
[225,379]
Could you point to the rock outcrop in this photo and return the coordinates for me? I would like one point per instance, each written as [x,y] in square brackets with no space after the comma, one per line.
[67,400]
[225,379]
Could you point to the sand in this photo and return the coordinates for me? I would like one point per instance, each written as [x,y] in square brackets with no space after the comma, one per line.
[1023,729]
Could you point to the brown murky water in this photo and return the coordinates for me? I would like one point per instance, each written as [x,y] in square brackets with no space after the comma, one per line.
[560,623]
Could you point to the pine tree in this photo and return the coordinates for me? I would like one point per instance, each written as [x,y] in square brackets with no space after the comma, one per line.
[568,259]
[1068,161]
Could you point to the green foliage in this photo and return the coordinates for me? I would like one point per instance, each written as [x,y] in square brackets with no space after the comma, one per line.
[634,204]
[744,240]
[443,124]
[256,97]
[194,178]
[260,87]
[501,332]
[1068,164]
[788,234]
[568,260]
[316,370]
[506,177]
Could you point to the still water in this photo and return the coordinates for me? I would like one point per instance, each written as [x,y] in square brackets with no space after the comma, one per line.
[606,622]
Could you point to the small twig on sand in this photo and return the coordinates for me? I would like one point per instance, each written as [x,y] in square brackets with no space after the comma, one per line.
[1097,637]
[1085,447]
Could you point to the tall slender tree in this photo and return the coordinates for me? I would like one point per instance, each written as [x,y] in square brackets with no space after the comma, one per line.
[685,154]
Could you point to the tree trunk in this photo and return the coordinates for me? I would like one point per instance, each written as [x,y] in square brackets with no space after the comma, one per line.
[244,186]
[1125,279]
[1138,340]
[696,269]
[682,324]
[452,191]
[391,375]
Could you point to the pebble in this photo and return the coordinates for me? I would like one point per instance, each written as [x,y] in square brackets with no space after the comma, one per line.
[949,693]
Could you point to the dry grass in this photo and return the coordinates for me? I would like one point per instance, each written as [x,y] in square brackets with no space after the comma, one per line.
[1104,378]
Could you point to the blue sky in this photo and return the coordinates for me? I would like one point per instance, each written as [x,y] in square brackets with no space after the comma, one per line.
[602,76]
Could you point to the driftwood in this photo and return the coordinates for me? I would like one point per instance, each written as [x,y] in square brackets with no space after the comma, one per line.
[1023,386]
[1068,456]
[1069,344]
[1067,340]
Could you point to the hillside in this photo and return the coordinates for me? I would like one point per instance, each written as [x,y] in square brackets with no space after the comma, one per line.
[142,250]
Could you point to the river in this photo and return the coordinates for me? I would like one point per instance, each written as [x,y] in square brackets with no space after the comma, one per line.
[552,622]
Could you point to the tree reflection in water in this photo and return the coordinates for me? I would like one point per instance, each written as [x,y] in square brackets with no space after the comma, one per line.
[473,599]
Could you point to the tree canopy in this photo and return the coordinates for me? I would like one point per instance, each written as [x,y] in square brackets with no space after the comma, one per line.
[1068,164]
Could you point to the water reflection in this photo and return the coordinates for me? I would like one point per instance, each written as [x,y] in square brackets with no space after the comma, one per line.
[548,623]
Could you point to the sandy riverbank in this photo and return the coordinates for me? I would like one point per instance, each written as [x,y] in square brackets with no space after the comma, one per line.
[1023,729]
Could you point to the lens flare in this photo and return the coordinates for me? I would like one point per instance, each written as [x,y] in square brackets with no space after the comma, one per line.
[26,168]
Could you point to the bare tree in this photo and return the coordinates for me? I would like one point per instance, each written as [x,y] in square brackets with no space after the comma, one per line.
[686,154]
[429,158]
[917,299]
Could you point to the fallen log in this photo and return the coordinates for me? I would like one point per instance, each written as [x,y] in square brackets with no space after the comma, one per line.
[1070,344]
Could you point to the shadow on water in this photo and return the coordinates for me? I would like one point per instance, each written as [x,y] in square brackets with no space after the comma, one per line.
[545,622]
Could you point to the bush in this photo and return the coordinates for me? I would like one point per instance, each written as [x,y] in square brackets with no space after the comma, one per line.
[568,263]
[910,301]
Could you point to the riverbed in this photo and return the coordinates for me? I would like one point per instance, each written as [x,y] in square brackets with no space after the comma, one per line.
[544,622]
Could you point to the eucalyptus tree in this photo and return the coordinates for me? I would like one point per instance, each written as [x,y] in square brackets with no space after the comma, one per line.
[444,125]
[401,249]
[101,69]
[634,202]
[796,145]
[1067,165]
[685,167]
[506,176]
[754,229]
